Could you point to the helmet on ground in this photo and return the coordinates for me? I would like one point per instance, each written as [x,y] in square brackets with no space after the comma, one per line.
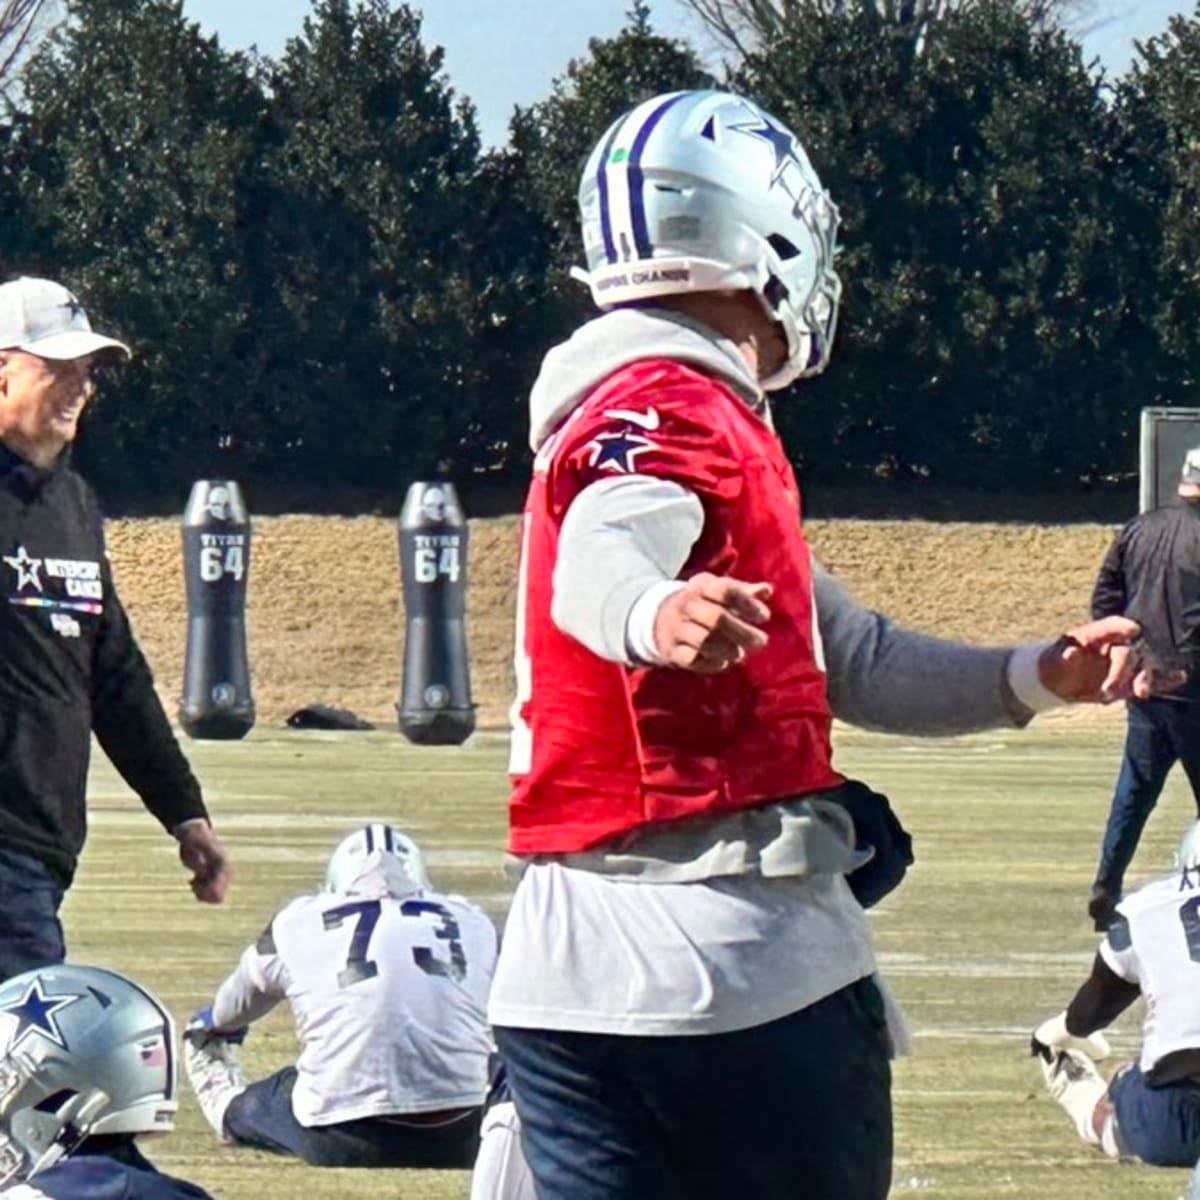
[83,1052]
[1188,854]
[704,191]
[377,860]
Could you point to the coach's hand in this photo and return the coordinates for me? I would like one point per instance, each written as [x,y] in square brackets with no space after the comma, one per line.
[1091,662]
[200,850]
[712,622]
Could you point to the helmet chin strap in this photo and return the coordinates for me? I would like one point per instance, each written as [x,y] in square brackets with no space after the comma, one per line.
[799,355]
[799,343]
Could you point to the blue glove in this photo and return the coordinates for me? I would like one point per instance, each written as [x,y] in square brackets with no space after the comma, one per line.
[201,1029]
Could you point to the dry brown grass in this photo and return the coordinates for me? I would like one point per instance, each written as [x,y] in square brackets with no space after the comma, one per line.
[325,618]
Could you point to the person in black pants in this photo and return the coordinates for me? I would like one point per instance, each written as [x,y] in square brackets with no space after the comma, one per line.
[1152,575]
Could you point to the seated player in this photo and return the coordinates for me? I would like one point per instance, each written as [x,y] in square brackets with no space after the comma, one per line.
[1149,1109]
[387,980]
[87,1067]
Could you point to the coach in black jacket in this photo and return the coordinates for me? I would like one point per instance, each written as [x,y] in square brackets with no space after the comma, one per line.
[1152,574]
[69,663]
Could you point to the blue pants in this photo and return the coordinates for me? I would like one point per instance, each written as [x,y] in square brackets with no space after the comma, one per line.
[31,934]
[1160,1125]
[1159,734]
[262,1117]
[797,1108]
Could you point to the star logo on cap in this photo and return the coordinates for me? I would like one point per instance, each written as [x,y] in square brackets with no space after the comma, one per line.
[27,569]
[73,306]
[36,1013]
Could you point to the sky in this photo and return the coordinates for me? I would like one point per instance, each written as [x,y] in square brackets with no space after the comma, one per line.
[503,53]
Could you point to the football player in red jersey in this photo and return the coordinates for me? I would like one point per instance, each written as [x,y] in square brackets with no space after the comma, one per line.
[686,999]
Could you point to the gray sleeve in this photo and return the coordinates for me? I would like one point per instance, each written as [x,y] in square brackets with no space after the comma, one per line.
[619,537]
[882,676]
[254,987]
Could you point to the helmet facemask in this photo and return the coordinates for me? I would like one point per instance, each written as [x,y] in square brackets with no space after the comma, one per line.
[803,300]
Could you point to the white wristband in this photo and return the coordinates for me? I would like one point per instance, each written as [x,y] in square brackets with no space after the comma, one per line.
[1026,682]
[639,626]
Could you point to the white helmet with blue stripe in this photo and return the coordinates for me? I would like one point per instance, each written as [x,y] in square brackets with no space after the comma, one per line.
[84,1052]
[706,192]
[377,860]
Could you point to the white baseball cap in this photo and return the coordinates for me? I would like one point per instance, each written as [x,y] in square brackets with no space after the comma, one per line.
[44,318]
[1191,467]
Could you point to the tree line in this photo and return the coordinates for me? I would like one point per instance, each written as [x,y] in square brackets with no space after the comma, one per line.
[333,288]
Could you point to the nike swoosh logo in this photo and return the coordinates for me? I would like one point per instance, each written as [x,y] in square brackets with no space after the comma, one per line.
[647,420]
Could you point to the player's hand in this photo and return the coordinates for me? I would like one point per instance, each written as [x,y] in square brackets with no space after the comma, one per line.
[200,850]
[201,1029]
[1052,1035]
[1092,662]
[1131,672]
[712,622]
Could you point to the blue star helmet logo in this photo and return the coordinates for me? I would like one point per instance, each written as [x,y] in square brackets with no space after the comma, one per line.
[782,143]
[36,1013]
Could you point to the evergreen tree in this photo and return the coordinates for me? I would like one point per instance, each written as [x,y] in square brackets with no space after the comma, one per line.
[1159,110]
[372,224]
[136,136]
[984,267]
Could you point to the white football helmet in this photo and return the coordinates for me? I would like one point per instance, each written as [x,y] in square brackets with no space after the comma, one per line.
[85,1052]
[377,860]
[1188,854]
[704,191]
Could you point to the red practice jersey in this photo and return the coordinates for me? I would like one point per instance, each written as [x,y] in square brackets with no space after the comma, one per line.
[609,748]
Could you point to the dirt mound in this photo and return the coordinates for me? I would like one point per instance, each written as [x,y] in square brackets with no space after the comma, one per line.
[325,619]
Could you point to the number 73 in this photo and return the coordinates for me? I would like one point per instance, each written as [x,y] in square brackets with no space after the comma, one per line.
[359,967]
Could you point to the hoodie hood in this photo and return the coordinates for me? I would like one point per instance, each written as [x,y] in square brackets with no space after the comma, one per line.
[571,371]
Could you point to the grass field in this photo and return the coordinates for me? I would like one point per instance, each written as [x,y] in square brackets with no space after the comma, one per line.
[986,937]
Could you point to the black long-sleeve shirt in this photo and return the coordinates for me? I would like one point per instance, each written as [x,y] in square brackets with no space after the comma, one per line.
[1151,574]
[69,664]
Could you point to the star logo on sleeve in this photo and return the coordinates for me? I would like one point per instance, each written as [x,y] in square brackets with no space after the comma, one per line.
[26,568]
[36,1013]
[618,451]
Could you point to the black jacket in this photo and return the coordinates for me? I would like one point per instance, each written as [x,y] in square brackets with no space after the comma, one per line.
[1152,575]
[69,664]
